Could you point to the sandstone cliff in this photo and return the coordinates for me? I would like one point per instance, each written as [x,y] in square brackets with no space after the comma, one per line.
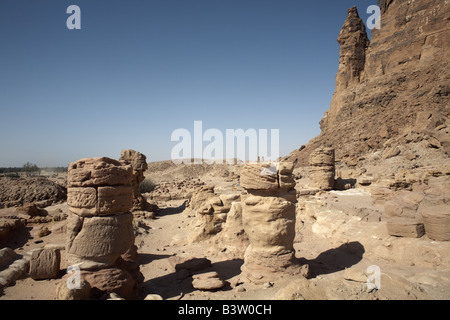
[392,90]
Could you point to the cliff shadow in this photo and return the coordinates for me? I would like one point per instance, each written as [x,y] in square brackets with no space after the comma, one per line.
[334,260]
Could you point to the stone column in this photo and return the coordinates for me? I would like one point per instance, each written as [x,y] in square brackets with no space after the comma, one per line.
[138,162]
[322,168]
[99,226]
[268,217]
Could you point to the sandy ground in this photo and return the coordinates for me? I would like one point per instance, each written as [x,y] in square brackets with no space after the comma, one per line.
[339,236]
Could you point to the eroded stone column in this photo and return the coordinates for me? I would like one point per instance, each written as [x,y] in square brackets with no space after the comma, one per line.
[268,217]
[99,226]
[322,168]
[138,162]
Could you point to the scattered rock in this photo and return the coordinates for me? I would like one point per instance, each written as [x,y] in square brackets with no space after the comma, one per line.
[69,292]
[44,232]
[207,281]
[111,280]
[153,297]
[191,264]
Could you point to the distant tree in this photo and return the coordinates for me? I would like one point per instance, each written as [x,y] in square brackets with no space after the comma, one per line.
[147,186]
[29,167]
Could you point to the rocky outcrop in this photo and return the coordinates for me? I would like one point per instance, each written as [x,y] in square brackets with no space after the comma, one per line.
[211,211]
[392,91]
[138,162]
[30,190]
[268,217]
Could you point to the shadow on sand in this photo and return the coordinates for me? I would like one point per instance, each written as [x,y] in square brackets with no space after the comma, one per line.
[171,286]
[336,259]
[171,210]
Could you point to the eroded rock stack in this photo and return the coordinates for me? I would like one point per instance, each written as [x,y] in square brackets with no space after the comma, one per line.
[383,84]
[211,211]
[268,217]
[99,226]
[138,162]
[322,168]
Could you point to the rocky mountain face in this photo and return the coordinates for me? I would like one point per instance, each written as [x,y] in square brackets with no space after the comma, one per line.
[393,92]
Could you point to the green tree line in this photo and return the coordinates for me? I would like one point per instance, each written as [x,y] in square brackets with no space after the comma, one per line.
[30,167]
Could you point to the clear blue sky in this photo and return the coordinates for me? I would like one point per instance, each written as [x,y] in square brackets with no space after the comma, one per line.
[137,70]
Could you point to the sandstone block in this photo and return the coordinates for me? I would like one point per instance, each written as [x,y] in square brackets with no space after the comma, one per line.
[111,280]
[260,176]
[322,157]
[269,222]
[437,221]
[98,241]
[322,169]
[285,168]
[286,181]
[82,197]
[321,178]
[45,264]
[405,204]
[91,172]
[404,227]
[114,199]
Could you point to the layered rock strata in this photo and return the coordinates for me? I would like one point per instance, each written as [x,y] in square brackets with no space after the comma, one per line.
[383,85]
[322,169]
[268,217]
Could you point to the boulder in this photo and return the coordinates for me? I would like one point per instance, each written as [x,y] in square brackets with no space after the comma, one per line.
[65,292]
[6,256]
[191,264]
[111,280]
[207,281]
[31,210]
[45,264]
